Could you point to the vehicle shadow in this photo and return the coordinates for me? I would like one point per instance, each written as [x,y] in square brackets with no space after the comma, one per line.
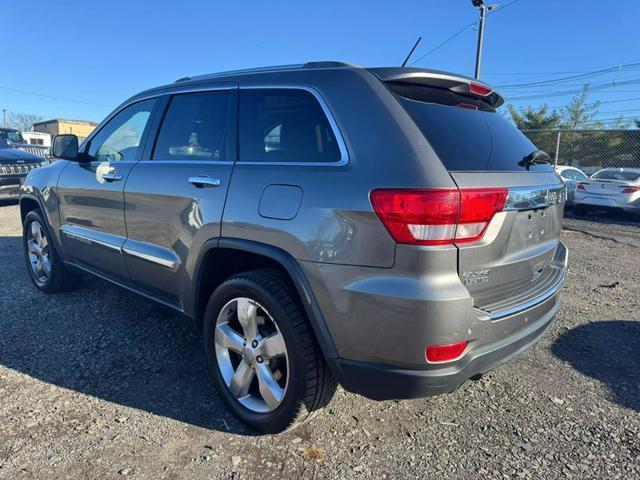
[605,217]
[608,352]
[103,341]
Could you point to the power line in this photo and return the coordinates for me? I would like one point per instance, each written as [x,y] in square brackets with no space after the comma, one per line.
[572,92]
[53,97]
[593,73]
[475,22]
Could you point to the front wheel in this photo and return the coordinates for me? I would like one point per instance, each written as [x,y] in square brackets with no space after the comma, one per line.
[263,357]
[46,270]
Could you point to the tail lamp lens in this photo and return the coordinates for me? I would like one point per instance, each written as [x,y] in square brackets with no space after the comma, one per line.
[437,217]
[478,89]
[631,189]
[580,186]
[444,353]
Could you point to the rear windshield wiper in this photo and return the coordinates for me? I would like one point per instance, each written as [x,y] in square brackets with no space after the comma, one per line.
[537,157]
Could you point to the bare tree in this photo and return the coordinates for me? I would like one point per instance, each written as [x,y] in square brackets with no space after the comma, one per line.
[23,121]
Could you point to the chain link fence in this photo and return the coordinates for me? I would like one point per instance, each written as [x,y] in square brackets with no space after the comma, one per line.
[590,150]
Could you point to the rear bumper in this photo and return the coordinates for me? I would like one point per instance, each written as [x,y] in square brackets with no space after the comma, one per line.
[384,382]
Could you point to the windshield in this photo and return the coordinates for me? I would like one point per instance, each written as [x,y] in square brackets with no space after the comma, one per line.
[619,175]
[10,136]
[466,139]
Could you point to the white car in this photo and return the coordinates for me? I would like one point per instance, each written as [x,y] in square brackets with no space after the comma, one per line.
[609,188]
[571,176]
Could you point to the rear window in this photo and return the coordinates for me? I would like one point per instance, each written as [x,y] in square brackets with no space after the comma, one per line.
[285,125]
[619,175]
[472,140]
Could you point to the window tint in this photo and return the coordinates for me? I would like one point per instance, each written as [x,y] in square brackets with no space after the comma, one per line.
[279,125]
[573,175]
[194,127]
[471,140]
[120,138]
[619,175]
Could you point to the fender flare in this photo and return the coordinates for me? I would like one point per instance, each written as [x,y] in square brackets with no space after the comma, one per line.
[307,299]
[54,238]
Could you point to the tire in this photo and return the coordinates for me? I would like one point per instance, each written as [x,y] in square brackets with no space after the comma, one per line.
[580,210]
[58,278]
[308,385]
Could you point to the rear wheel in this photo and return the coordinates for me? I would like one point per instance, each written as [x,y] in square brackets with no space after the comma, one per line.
[46,270]
[262,355]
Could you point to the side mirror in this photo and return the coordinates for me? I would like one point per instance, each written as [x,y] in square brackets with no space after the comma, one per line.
[66,147]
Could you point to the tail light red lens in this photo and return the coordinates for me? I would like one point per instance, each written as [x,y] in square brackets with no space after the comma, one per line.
[632,189]
[437,217]
[479,89]
[580,186]
[444,353]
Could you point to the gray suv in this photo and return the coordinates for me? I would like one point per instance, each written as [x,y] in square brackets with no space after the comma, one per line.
[381,228]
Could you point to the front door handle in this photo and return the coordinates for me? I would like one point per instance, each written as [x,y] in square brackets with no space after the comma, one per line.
[204,181]
[112,177]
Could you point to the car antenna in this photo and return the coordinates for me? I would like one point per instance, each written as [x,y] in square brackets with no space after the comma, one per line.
[411,52]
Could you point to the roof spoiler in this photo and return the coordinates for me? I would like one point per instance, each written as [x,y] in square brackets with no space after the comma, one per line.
[435,78]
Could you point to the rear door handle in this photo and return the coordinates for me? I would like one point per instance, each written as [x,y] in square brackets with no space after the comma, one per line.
[205,182]
[112,177]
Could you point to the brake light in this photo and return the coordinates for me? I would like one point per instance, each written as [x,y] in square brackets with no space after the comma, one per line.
[437,217]
[580,186]
[479,89]
[468,106]
[631,189]
[444,353]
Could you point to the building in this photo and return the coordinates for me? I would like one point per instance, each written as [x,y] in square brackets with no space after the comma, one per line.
[37,138]
[58,126]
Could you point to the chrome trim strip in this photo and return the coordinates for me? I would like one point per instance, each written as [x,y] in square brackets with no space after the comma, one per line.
[88,236]
[506,312]
[177,90]
[188,162]
[539,196]
[150,258]
[342,146]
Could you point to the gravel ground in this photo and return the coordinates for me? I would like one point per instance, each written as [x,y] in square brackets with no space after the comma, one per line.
[98,383]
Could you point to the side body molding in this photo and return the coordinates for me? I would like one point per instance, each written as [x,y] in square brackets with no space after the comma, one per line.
[307,298]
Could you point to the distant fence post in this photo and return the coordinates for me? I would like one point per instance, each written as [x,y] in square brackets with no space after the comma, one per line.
[557,148]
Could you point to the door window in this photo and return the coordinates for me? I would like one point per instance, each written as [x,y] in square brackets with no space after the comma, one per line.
[282,125]
[194,128]
[120,138]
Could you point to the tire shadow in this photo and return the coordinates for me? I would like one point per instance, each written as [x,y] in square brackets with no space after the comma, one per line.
[108,343]
[608,352]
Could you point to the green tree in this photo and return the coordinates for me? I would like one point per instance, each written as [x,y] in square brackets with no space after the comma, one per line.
[637,122]
[530,118]
[580,114]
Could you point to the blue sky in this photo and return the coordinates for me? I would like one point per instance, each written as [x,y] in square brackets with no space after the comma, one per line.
[102,53]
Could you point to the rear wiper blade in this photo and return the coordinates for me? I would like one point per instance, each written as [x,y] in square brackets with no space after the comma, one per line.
[537,157]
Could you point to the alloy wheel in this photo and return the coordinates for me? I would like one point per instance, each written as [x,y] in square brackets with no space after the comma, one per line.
[251,355]
[38,251]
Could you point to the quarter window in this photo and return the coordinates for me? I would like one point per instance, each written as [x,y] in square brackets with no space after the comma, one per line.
[194,128]
[284,125]
[120,138]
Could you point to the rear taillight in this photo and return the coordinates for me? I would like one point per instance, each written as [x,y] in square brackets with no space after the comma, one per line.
[444,353]
[467,106]
[581,186]
[478,89]
[632,189]
[437,217]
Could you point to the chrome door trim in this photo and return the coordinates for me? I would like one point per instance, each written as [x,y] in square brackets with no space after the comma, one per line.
[531,198]
[151,253]
[342,146]
[93,237]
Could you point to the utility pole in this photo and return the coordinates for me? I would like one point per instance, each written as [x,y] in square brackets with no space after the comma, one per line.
[4,118]
[484,10]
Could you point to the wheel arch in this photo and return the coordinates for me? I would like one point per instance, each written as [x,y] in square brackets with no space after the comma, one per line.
[266,256]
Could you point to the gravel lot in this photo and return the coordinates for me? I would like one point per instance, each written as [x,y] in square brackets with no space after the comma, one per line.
[98,383]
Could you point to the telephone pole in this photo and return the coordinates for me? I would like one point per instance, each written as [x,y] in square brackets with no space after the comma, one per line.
[484,10]
[4,118]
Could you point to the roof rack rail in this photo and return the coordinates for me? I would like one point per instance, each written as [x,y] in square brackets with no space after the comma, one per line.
[322,64]
[328,64]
